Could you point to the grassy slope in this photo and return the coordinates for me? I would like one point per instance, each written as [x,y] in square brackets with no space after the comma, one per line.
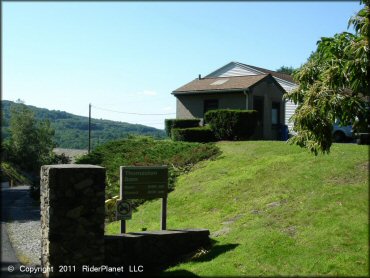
[319,225]
[12,173]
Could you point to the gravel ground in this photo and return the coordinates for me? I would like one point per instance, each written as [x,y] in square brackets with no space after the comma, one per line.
[26,240]
[24,227]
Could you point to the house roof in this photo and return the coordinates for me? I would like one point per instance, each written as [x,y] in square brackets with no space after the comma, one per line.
[258,70]
[221,84]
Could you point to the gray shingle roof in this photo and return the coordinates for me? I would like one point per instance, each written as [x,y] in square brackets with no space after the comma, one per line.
[221,83]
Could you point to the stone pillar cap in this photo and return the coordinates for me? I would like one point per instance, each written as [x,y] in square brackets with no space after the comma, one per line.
[64,166]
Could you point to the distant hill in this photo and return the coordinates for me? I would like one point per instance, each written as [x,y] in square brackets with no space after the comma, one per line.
[71,131]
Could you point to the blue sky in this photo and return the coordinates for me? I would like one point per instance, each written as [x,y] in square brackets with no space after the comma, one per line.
[129,57]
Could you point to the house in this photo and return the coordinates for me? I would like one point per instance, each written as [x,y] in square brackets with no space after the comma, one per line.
[239,86]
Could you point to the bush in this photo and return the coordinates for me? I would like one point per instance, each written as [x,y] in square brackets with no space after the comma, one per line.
[194,134]
[179,123]
[180,156]
[232,124]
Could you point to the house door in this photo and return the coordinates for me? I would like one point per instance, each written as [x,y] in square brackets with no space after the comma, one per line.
[258,105]
[209,104]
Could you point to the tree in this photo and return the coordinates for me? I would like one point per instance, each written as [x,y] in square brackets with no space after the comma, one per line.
[30,144]
[286,70]
[333,85]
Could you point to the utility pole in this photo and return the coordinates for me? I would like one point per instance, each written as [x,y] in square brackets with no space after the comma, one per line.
[89,128]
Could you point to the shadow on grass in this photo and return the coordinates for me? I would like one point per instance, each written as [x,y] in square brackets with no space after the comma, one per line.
[212,252]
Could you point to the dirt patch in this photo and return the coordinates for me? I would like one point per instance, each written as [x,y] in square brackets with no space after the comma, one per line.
[233,219]
[351,178]
[222,232]
[273,204]
[276,204]
[256,211]
[364,166]
[291,230]
[226,229]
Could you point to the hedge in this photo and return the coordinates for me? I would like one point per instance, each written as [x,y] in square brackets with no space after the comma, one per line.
[232,124]
[194,134]
[179,123]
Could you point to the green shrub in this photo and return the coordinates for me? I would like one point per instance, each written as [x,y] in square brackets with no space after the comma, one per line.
[232,124]
[140,151]
[193,134]
[179,123]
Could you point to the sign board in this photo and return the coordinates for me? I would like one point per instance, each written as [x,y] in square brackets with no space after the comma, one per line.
[124,210]
[144,182]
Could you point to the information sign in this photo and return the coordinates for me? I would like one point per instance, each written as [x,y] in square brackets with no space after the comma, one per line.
[144,182]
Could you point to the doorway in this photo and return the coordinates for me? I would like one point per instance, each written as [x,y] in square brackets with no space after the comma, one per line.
[258,105]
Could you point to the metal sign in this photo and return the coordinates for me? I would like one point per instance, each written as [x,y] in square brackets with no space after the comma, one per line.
[124,210]
[144,182]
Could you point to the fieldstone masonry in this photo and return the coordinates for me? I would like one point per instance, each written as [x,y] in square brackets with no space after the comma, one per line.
[72,221]
[155,250]
[72,217]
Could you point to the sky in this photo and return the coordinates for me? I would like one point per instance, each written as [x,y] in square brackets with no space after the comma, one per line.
[128,57]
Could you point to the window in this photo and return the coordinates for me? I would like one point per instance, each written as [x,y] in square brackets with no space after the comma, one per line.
[275,113]
[210,104]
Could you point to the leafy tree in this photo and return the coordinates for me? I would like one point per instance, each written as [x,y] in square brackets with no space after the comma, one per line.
[286,70]
[30,144]
[333,84]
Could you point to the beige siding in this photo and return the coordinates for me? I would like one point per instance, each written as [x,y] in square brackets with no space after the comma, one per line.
[191,106]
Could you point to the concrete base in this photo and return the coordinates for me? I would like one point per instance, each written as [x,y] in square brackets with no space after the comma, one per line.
[153,249]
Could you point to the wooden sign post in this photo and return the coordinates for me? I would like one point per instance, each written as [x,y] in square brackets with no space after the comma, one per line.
[144,182]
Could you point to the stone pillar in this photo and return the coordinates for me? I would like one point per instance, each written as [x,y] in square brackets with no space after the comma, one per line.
[72,217]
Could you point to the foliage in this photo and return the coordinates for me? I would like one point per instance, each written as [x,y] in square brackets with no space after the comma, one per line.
[110,208]
[141,151]
[61,159]
[30,144]
[179,123]
[333,84]
[14,174]
[273,210]
[193,134]
[71,131]
[232,124]
[286,70]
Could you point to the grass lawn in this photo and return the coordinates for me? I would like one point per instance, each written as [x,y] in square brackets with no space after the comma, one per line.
[273,209]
